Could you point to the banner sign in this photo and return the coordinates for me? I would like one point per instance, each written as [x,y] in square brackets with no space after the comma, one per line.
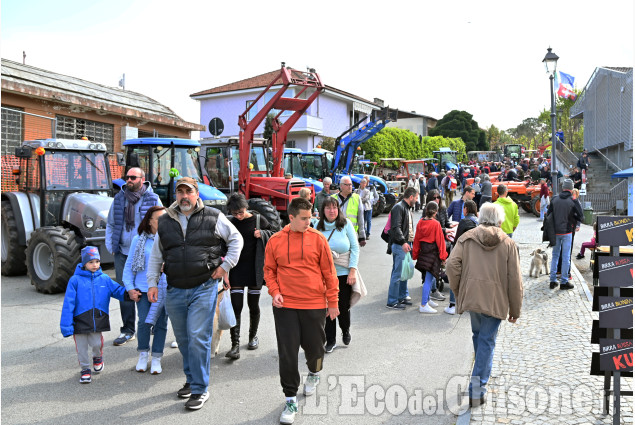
[616,312]
[615,230]
[615,271]
[616,355]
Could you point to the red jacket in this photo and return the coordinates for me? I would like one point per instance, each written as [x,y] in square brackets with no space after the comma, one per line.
[429,231]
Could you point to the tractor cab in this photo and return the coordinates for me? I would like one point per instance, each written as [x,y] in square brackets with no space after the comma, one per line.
[446,159]
[295,163]
[164,161]
[513,151]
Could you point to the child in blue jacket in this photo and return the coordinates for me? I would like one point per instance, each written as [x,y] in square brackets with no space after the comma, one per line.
[85,310]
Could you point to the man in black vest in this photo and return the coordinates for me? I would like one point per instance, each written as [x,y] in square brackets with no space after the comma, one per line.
[189,245]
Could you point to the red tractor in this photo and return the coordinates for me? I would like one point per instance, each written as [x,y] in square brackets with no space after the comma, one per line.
[245,165]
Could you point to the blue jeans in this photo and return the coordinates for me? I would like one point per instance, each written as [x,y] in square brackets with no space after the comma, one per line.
[398,289]
[428,281]
[143,328]
[368,217]
[452,297]
[563,243]
[484,331]
[191,312]
[127,307]
[543,210]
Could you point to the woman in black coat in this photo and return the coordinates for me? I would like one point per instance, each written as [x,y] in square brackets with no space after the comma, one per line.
[442,217]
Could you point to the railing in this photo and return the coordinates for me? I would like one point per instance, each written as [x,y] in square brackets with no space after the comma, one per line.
[608,161]
[607,202]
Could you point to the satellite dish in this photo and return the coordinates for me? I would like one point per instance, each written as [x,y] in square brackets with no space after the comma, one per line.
[216,126]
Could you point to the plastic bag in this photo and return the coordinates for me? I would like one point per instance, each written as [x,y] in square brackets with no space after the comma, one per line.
[407,267]
[226,317]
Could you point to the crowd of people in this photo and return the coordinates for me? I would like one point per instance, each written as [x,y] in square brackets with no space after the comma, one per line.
[171,261]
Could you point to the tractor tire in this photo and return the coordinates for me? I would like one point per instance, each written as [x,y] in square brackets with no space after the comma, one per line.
[535,206]
[390,202]
[526,206]
[268,211]
[13,254]
[379,206]
[52,255]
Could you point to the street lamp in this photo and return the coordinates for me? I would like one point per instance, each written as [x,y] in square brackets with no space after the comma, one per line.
[551,61]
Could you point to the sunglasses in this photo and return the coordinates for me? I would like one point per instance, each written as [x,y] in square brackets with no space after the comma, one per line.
[133,178]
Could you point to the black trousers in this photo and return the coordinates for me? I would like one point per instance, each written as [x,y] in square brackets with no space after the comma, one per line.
[344,305]
[294,329]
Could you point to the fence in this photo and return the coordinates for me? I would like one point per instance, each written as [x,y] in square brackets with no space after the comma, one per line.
[606,202]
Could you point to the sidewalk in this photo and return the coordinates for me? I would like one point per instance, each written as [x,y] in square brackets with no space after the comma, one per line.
[541,365]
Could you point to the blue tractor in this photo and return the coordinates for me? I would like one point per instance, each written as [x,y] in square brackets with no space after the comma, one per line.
[165,161]
[445,159]
[296,162]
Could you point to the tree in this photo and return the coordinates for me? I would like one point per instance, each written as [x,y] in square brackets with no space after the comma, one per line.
[268,131]
[328,143]
[493,137]
[459,124]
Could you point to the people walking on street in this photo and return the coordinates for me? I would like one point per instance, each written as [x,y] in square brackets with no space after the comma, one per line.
[126,212]
[401,237]
[351,206]
[422,191]
[449,184]
[342,240]
[446,227]
[544,198]
[432,184]
[85,311]
[414,183]
[455,210]
[429,253]
[365,196]
[484,272]
[477,190]
[303,284]
[189,245]
[575,195]
[566,213]
[323,194]
[248,273]
[486,190]
[512,219]
[135,277]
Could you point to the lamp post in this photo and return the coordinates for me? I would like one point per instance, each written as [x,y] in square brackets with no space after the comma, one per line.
[550,61]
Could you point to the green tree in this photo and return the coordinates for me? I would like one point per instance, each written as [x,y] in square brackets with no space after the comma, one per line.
[328,143]
[268,131]
[493,137]
[459,124]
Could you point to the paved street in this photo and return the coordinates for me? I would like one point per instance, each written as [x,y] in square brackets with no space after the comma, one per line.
[396,369]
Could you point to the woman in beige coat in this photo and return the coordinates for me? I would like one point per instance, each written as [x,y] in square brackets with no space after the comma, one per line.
[492,293]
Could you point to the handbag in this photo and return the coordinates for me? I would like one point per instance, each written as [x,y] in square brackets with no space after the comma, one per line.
[226,316]
[407,267]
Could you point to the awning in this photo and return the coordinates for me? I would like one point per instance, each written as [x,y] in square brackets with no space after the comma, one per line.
[623,174]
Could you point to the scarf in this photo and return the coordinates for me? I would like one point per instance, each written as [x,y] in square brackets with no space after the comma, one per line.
[358,289]
[139,256]
[132,198]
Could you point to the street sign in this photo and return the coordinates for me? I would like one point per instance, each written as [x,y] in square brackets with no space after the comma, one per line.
[616,312]
[616,355]
[615,271]
[615,230]
[583,189]
[216,126]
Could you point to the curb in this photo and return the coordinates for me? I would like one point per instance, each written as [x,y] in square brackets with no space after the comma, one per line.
[583,284]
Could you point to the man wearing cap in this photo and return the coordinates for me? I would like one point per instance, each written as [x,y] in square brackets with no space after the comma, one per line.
[566,213]
[189,245]
[126,212]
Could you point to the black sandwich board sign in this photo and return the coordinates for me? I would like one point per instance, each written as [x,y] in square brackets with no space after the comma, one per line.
[615,271]
[615,230]
[616,355]
[616,312]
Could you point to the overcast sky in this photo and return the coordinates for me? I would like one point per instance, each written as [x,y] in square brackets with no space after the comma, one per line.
[484,57]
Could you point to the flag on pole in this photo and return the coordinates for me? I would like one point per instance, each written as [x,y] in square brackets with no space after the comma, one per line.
[564,85]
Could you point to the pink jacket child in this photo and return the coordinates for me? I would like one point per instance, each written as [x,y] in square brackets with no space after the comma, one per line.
[590,245]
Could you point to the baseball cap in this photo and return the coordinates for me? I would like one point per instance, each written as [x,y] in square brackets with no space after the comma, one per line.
[187,181]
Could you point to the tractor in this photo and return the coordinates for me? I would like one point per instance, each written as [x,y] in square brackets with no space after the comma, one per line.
[164,161]
[64,194]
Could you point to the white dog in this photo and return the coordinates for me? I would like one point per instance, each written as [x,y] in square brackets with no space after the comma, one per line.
[539,262]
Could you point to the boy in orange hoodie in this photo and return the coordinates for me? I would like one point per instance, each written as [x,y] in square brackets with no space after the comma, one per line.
[302,281]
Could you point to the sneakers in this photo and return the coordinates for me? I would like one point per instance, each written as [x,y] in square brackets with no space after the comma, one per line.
[405,302]
[155,367]
[174,344]
[552,285]
[450,310]
[346,337]
[396,306]
[196,401]
[184,392]
[330,347]
[426,309]
[84,377]
[437,296]
[98,364]
[142,364]
[567,285]
[579,256]
[288,414]
[123,338]
[432,303]
[408,298]
[311,384]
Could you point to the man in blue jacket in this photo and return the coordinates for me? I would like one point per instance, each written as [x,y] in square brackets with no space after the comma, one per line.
[455,210]
[126,212]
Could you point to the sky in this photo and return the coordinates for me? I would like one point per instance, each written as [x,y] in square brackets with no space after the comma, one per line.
[483,57]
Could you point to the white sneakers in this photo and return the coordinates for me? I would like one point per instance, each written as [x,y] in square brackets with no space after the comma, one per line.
[432,304]
[288,414]
[142,364]
[155,367]
[311,384]
[427,309]
[450,310]
[174,344]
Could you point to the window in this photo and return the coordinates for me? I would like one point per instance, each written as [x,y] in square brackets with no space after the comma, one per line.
[290,144]
[76,128]
[11,129]
[148,134]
